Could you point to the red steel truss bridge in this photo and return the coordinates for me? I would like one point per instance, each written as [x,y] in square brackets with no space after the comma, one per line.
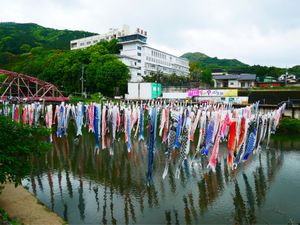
[21,87]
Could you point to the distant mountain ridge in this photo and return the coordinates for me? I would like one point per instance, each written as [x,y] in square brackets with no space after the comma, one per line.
[234,65]
[213,62]
[18,38]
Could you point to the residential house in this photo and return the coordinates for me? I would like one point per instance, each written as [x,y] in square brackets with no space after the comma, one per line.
[243,80]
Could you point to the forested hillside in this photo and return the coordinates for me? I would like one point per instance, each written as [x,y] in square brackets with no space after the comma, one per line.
[43,52]
[17,38]
[235,66]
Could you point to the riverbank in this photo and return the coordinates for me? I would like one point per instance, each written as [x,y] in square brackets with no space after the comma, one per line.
[22,206]
[289,126]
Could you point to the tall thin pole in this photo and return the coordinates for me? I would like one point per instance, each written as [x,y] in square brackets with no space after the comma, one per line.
[81,78]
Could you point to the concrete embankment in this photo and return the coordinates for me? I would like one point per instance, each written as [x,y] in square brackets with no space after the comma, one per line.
[271,96]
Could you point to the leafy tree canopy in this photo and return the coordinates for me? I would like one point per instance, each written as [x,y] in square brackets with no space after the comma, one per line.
[41,52]
[18,143]
[13,37]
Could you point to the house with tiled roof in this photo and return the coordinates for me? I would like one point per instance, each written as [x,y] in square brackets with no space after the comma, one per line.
[243,80]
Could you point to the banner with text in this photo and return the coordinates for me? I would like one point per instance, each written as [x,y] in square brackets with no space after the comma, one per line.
[213,93]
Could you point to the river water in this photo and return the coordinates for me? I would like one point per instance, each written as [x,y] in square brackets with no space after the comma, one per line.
[85,187]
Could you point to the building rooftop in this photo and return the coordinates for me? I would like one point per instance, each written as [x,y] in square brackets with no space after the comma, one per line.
[242,76]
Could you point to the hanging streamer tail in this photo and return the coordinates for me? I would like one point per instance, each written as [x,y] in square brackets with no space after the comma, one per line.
[151,147]
[166,170]
[269,132]
[141,135]
[205,150]
[111,149]
[167,155]
[238,157]
[166,126]
[178,131]
[213,159]
[150,162]
[178,169]
[250,146]
[128,133]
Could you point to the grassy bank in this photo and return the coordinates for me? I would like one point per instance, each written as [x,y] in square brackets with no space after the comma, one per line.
[289,126]
[5,219]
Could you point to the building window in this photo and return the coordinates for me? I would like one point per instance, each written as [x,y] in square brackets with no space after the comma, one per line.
[88,43]
[73,45]
[81,44]
[139,48]
[139,54]
[231,83]
[139,74]
[135,63]
[139,61]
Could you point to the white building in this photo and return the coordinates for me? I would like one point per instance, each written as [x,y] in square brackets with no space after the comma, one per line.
[149,60]
[289,78]
[92,40]
[141,59]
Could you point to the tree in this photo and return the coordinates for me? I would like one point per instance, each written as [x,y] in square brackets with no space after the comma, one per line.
[206,76]
[195,71]
[107,74]
[18,143]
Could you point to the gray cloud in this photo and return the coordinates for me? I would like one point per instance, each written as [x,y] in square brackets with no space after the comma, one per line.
[254,31]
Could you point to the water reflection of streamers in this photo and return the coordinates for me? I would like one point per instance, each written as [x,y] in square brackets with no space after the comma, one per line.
[69,184]
[33,184]
[187,212]
[251,201]
[168,217]
[152,197]
[260,183]
[172,181]
[96,189]
[113,220]
[193,209]
[239,205]
[59,176]
[104,220]
[66,212]
[51,188]
[203,201]
[81,204]
[274,163]
[125,178]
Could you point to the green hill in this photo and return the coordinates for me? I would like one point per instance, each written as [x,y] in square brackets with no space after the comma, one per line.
[18,38]
[236,66]
[213,63]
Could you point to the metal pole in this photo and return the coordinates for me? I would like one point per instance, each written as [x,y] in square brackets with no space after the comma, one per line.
[81,78]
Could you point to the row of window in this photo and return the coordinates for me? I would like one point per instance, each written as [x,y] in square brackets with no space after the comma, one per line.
[87,43]
[159,55]
[181,61]
[148,58]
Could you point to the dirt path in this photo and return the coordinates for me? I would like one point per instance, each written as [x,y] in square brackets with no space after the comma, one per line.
[20,204]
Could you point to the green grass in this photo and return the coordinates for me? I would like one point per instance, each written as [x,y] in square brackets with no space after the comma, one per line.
[5,219]
[289,126]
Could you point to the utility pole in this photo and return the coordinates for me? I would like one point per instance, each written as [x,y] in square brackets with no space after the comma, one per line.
[81,78]
[285,78]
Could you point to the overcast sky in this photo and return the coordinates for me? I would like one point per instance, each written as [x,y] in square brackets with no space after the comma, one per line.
[265,32]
